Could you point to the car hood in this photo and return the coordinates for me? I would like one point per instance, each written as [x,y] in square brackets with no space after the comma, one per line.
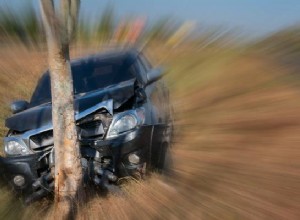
[109,98]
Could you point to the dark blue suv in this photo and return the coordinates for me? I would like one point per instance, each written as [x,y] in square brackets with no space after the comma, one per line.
[123,118]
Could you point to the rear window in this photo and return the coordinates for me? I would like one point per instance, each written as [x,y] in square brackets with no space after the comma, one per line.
[87,76]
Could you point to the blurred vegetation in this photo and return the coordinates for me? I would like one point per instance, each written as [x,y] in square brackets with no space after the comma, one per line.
[24,26]
[284,41]
[237,147]
[105,25]
[284,44]
[27,28]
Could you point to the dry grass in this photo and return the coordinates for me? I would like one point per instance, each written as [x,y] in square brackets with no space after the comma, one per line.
[237,143]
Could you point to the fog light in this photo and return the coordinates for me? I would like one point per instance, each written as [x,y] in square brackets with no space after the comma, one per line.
[133,158]
[19,180]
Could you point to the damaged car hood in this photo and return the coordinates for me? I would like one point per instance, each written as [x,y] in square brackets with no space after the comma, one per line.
[109,98]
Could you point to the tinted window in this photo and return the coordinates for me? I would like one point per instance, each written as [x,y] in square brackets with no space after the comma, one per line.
[87,76]
[42,92]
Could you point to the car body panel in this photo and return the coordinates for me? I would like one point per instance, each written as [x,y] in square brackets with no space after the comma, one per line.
[41,115]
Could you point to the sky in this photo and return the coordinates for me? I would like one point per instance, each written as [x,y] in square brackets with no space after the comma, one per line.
[253,17]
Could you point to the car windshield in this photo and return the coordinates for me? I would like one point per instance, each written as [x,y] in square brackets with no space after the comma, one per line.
[88,75]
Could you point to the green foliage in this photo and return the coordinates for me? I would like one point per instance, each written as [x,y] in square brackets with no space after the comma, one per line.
[31,24]
[83,30]
[162,29]
[24,26]
[105,26]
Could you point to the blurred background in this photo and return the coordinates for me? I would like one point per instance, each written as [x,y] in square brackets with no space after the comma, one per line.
[233,72]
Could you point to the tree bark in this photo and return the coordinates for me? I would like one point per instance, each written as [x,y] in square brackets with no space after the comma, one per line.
[68,171]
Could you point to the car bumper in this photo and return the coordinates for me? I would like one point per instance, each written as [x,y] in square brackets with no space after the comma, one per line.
[24,166]
[138,141]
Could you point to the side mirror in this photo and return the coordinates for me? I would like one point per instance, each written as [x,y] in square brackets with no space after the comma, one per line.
[154,75]
[18,106]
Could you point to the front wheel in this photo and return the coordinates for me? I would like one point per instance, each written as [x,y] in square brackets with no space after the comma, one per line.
[166,164]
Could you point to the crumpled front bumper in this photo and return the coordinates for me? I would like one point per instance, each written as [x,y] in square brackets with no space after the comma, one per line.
[27,166]
[119,148]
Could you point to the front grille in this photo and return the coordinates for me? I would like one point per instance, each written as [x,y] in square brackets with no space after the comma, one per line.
[41,140]
[91,127]
[91,124]
[94,126]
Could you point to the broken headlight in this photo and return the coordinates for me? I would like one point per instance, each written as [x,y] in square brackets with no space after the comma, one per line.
[124,122]
[14,146]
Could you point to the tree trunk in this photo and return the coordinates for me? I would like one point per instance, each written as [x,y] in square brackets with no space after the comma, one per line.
[68,171]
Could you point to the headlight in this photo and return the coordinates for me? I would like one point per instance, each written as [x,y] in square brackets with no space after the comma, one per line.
[15,147]
[121,125]
[125,121]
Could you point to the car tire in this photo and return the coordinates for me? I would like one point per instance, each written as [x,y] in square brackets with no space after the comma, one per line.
[165,163]
[168,165]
